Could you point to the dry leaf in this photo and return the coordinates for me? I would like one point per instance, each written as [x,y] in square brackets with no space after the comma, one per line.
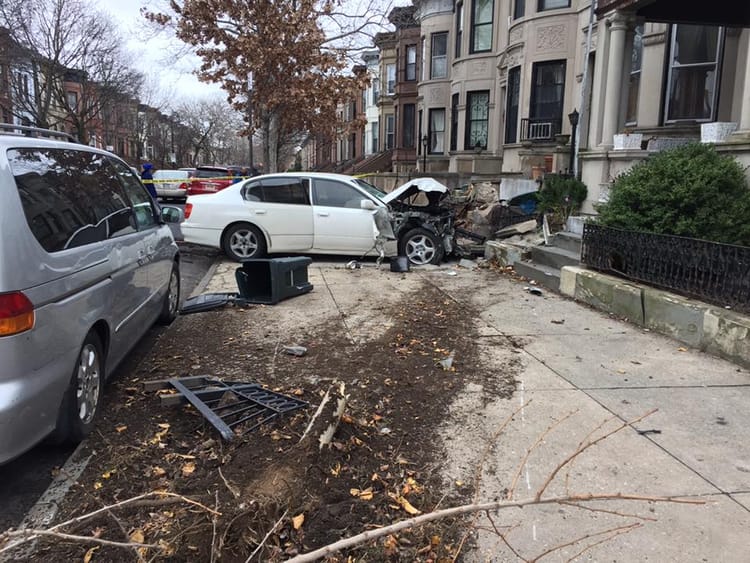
[297,521]
[377,417]
[336,471]
[405,504]
[108,474]
[682,349]
[159,472]
[121,428]
[164,425]
[89,554]
[97,486]
[347,419]
[136,536]
[188,469]
[365,494]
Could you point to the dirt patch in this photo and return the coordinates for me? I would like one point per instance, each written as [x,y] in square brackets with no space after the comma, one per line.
[264,493]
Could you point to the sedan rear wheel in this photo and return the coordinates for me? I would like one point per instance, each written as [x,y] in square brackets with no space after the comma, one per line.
[243,242]
[421,247]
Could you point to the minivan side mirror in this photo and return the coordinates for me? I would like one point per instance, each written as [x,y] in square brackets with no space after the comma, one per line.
[171,214]
[368,204]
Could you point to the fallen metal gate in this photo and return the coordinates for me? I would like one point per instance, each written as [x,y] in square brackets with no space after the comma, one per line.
[233,408]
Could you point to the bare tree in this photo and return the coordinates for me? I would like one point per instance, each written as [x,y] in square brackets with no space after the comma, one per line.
[73,55]
[293,51]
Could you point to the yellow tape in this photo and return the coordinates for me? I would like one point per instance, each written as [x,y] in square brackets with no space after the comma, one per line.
[191,180]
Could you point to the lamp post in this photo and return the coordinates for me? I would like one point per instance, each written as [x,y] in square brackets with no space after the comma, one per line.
[425,143]
[573,118]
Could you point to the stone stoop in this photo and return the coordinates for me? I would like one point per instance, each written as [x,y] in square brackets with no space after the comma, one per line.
[544,263]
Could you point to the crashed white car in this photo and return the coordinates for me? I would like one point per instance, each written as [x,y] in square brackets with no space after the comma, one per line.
[319,213]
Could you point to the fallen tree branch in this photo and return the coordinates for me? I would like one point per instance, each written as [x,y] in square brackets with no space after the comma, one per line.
[268,535]
[610,533]
[583,448]
[26,535]
[471,508]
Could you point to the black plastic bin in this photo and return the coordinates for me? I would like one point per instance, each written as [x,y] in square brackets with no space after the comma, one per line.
[269,280]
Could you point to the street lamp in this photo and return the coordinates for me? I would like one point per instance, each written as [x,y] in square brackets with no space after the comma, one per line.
[425,143]
[573,118]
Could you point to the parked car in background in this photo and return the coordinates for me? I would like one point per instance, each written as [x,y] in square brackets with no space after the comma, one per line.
[172,184]
[211,179]
[321,213]
[87,265]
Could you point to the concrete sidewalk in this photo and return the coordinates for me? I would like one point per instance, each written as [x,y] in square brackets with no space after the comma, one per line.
[581,374]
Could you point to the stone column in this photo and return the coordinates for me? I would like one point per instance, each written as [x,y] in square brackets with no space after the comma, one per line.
[745,108]
[618,23]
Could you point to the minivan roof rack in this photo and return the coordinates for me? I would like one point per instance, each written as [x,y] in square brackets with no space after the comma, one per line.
[28,131]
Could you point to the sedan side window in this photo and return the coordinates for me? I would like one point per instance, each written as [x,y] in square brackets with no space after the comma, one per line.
[331,193]
[285,190]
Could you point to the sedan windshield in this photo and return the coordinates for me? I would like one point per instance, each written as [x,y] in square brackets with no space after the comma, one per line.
[370,189]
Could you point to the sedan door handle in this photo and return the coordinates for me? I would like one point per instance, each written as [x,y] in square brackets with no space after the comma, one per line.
[323,214]
[260,212]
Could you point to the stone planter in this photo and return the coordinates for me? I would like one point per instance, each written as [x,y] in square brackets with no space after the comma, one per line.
[717,132]
[561,139]
[627,141]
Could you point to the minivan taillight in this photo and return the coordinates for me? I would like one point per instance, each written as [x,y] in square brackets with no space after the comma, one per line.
[188,210]
[16,313]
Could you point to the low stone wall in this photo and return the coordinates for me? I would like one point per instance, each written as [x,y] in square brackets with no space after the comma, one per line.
[712,329]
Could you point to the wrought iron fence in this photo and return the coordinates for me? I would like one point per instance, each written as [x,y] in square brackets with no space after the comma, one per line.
[708,271]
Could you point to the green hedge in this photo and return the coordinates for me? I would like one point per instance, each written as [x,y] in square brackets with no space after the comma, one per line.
[690,191]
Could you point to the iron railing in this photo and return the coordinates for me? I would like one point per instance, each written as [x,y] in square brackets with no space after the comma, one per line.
[540,129]
[708,271]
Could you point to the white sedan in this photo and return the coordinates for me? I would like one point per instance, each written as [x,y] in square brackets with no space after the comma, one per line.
[319,213]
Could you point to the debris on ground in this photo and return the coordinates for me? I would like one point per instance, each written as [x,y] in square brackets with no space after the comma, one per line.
[294,350]
[533,290]
[233,408]
[447,363]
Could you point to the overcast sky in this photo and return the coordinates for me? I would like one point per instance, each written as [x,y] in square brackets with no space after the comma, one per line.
[155,55]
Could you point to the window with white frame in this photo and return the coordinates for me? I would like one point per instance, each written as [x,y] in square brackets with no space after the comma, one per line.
[477,119]
[390,131]
[375,91]
[390,77]
[459,28]
[437,131]
[553,4]
[481,25]
[439,66]
[72,98]
[411,62]
[692,85]
[376,135]
[634,87]
[423,73]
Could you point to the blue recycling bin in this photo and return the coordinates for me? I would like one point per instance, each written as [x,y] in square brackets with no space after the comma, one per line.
[269,280]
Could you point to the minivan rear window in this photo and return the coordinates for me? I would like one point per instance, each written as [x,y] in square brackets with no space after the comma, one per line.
[70,197]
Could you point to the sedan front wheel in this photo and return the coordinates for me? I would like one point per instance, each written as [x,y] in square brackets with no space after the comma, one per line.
[243,242]
[421,247]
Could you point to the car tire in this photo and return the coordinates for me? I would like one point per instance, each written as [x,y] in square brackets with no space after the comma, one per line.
[244,241]
[171,304]
[82,399]
[421,247]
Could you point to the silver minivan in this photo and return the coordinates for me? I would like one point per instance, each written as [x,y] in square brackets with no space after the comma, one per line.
[87,265]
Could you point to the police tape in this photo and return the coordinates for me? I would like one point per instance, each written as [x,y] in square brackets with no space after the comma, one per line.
[194,180]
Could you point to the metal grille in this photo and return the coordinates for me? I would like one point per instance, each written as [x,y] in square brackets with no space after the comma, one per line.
[233,408]
[709,271]
[539,129]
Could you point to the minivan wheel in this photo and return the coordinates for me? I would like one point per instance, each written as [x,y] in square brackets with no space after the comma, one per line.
[244,241]
[80,404]
[421,247]
[172,298]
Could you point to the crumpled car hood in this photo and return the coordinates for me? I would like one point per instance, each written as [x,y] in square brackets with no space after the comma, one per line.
[414,186]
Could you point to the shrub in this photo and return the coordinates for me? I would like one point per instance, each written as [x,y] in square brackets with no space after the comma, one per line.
[690,191]
[561,196]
